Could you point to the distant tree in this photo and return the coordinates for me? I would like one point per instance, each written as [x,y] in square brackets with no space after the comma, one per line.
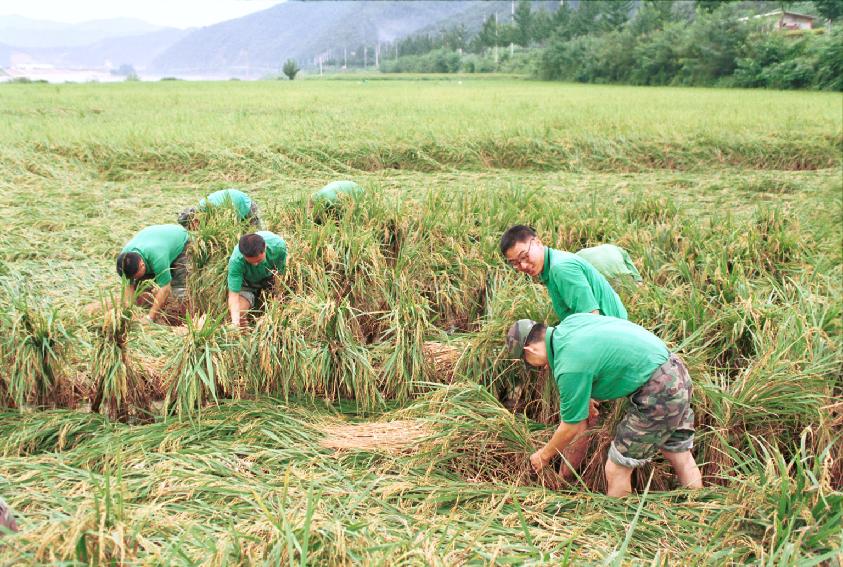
[651,16]
[291,68]
[542,25]
[124,70]
[831,9]
[488,36]
[614,14]
[523,20]
[455,37]
[711,5]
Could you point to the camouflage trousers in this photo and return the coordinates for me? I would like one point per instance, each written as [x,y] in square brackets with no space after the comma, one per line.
[178,271]
[658,417]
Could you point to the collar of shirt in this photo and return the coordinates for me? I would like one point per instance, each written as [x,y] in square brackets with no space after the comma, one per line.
[548,343]
[545,275]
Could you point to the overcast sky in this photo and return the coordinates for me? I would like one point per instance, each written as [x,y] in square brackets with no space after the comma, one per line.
[176,13]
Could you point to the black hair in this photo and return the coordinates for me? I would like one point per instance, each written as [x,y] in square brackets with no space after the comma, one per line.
[128,264]
[536,334]
[187,216]
[515,234]
[251,245]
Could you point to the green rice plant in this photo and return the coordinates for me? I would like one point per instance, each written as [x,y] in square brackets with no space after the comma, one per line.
[210,248]
[341,362]
[35,348]
[510,297]
[651,211]
[120,383]
[273,352]
[406,327]
[799,508]
[200,373]
[49,431]
[472,436]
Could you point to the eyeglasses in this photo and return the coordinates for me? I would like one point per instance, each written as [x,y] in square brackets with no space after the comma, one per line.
[522,257]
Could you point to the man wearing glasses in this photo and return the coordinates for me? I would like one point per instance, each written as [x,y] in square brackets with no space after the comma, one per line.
[573,284]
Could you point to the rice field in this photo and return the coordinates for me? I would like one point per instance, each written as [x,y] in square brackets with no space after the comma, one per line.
[369,415]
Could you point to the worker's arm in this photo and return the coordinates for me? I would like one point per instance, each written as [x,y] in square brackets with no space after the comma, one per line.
[234,307]
[565,433]
[160,299]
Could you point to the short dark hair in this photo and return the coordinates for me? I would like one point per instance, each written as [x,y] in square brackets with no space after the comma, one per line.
[536,334]
[186,216]
[515,234]
[128,264]
[251,245]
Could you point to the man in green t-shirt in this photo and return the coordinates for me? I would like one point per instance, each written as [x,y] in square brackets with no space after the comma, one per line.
[158,253]
[245,209]
[605,358]
[254,264]
[328,201]
[611,261]
[573,284]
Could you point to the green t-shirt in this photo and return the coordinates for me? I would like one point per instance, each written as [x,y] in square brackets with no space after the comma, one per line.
[231,198]
[611,261]
[600,357]
[576,287]
[159,245]
[239,270]
[331,192]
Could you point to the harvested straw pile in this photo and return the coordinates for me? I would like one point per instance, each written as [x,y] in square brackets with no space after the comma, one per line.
[397,436]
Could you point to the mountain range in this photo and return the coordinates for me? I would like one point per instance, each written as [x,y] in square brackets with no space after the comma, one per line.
[249,46]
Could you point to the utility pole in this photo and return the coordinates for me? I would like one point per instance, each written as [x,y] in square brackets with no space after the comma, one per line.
[512,44]
[365,60]
[377,55]
[345,58]
[320,65]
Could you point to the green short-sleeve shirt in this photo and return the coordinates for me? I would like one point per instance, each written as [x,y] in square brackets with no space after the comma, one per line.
[239,270]
[159,245]
[241,202]
[600,357]
[576,287]
[611,261]
[332,192]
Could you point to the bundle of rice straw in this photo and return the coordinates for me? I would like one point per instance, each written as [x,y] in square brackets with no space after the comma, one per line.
[442,357]
[390,436]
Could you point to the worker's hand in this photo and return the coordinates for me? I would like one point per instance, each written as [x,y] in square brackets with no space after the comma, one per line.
[593,409]
[538,461]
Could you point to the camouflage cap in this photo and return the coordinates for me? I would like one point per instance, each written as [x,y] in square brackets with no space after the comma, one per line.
[517,336]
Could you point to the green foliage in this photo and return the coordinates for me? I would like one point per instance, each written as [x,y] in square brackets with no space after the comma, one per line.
[33,350]
[436,61]
[290,69]
[830,9]
[716,48]
[120,383]
[202,371]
